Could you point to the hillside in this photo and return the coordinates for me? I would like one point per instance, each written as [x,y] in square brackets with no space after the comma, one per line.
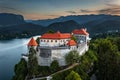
[103,27]
[8,19]
[20,31]
[95,24]
[66,26]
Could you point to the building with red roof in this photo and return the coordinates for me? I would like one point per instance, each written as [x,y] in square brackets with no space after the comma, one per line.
[32,42]
[55,46]
[82,35]
[56,35]
[71,43]
[80,31]
[54,39]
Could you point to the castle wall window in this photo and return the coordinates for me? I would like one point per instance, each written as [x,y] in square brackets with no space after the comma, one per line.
[45,53]
[51,40]
[55,40]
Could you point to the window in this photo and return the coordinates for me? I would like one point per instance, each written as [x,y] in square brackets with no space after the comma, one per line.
[51,40]
[55,40]
[41,40]
[47,40]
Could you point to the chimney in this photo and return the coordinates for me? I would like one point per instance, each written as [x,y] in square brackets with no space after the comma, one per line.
[85,29]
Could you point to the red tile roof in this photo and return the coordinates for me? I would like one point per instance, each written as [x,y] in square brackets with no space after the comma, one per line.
[80,31]
[32,42]
[56,35]
[71,43]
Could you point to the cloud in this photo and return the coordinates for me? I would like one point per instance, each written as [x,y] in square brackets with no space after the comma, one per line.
[52,15]
[71,12]
[85,11]
[112,9]
[4,9]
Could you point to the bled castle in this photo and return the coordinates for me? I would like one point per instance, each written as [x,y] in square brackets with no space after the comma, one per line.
[54,46]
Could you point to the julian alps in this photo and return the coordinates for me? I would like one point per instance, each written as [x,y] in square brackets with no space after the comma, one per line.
[15,25]
[81,19]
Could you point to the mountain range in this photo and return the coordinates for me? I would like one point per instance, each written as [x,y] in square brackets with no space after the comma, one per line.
[81,19]
[12,24]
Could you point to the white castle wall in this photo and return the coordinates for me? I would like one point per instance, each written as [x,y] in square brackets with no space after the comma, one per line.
[59,55]
[43,61]
[56,54]
[82,49]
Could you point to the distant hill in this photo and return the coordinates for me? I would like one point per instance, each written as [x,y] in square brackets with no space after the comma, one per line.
[103,26]
[7,19]
[66,26]
[95,24]
[13,26]
[20,31]
[93,27]
[81,19]
[27,27]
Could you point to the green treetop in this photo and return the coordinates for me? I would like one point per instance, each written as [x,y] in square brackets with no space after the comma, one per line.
[73,76]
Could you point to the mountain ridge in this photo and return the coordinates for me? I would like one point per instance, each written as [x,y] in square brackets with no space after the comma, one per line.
[81,19]
[94,26]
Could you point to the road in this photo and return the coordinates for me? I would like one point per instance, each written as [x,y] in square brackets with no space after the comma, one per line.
[70,67]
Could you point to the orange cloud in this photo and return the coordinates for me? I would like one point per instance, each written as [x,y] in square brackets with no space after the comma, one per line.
[35,16]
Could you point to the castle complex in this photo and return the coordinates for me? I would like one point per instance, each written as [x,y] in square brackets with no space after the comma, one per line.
[54,46]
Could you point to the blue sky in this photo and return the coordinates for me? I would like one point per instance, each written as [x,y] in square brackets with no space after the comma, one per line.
[44,9]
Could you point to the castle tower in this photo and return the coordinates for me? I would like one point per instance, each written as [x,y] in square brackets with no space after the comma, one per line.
[82,35]
[72,44]
[32,43]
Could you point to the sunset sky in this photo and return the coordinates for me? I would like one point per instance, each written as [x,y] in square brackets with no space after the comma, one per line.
[44,9]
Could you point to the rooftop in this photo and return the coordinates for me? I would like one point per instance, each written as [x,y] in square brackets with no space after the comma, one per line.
[80,31]
[71,43]
[32,42]
[56,35]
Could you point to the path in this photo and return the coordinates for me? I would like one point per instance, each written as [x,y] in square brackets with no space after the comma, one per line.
[70,67]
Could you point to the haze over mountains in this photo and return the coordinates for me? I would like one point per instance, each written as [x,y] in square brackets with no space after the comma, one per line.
[11,24]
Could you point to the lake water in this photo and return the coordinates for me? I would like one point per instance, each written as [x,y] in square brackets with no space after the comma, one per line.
[10,54]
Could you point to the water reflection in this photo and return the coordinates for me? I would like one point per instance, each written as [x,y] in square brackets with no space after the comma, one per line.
[10,54]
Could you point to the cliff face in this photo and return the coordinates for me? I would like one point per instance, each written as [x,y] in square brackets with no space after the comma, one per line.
[7,19]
